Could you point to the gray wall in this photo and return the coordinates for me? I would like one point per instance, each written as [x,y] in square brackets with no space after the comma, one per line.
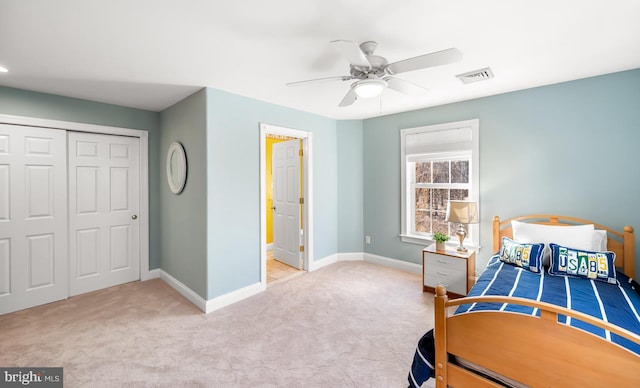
[183,221]
[569,149]
[233,175]
[350,187]
[19,102]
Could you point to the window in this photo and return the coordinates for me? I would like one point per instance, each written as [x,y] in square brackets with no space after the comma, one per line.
[434,182]
[439,163]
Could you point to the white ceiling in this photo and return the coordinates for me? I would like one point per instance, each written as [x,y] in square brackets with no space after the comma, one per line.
[150,54]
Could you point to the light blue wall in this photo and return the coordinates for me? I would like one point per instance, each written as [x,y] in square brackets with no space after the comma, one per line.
[233,185]
[208,236]
[569,148]
[350,187]
[183,221]
[19,102]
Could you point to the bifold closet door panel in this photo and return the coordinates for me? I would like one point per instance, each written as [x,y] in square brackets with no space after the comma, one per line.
[104,201]
[33,217]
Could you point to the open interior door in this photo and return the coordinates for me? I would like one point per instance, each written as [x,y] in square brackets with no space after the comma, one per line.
[286,202]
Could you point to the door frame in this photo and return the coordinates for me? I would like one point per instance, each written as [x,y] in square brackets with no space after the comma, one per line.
[144,168]
[307,193]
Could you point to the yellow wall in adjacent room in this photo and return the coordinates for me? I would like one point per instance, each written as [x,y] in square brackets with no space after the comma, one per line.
[269,215]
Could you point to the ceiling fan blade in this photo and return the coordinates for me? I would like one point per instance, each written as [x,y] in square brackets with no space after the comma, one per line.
[349,98]
[318,80]
[405,87]
[351,52]
[437,58]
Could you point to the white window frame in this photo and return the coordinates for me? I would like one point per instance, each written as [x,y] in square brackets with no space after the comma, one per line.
[407,199]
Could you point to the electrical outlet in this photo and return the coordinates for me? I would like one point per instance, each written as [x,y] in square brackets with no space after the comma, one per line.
[367,239]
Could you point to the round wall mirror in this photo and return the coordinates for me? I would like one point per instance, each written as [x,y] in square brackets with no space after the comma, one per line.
[176,167]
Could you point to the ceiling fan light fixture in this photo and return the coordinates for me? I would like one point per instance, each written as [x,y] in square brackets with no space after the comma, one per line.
[370,88]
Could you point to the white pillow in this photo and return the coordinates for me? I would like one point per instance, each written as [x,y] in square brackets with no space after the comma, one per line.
[599,241]
[574,236]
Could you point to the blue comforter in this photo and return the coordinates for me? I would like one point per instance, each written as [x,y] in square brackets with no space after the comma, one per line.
[617,304]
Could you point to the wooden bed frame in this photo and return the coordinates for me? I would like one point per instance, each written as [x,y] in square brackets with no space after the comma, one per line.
[536,351]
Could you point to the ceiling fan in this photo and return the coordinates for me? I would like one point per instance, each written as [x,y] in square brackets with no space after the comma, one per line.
[374,74]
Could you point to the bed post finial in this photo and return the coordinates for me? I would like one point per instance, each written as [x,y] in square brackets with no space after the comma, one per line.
[440,335]
[629,252]
[496,234]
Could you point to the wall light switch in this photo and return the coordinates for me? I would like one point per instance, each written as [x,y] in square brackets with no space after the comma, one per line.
[367,239]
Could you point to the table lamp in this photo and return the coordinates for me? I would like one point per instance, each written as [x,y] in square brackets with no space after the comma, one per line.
[462,212]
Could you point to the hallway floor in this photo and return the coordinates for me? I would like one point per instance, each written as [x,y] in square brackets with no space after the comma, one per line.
[278,271]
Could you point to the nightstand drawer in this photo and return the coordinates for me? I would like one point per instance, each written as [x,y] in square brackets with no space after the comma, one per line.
[453,263]
[454,281]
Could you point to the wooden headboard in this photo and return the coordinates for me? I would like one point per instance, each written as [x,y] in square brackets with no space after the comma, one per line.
[622,243]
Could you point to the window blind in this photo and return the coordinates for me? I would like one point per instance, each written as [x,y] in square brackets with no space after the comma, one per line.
[437,141]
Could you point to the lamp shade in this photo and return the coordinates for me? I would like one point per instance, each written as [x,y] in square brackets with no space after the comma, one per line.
[369,88]
[463,212]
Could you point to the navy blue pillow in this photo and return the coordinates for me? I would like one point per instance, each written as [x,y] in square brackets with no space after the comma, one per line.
[525,255]
[581,263]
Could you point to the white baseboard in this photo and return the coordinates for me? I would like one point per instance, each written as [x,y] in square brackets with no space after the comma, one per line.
[368,257]
[214,304]
[320,263]
[221,301]
[233,297]
[351,256]
[185,291]
[393,263]
[152,274]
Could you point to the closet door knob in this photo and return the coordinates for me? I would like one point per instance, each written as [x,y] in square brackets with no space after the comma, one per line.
[134,217]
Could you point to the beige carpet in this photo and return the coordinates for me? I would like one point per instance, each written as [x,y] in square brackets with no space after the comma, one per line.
[352,324]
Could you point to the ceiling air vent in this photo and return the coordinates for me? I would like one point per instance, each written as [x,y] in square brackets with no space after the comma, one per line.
[476,75]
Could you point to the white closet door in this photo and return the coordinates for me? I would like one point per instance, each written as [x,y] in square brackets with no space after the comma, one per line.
[33,217]
[104,242]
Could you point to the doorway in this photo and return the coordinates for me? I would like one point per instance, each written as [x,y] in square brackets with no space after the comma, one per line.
[296,235]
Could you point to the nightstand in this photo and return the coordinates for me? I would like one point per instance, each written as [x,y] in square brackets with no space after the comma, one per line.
[450,268]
